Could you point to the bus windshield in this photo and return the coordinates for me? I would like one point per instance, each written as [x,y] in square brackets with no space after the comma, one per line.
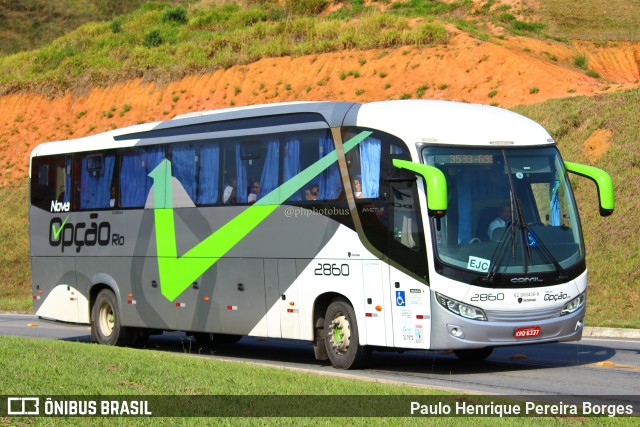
[511,212]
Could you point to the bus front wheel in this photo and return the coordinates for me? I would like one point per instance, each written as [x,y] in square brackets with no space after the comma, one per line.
[341,340]
[106,326]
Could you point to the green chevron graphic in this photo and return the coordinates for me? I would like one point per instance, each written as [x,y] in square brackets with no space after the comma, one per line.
[178,273]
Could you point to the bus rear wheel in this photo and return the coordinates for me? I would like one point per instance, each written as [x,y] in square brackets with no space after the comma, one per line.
[473,355]
[106,326]
[341,339]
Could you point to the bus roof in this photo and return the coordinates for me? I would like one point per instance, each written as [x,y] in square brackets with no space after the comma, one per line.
[414,121]
[446,122]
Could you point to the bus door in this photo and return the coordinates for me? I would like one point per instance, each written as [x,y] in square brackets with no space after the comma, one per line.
[410,297]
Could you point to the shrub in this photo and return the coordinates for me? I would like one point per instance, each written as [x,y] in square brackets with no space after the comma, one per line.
[594,74]
[152,39]
[532,27]
[304,7]
[176,15]
[116,26]
[580,61]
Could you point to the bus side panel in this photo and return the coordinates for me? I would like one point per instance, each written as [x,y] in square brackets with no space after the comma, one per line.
[283,316]
[112,272]
[56,294]
[327,275]
[411,308]
[239,292]
[289,308]
[154,309]
[374,274]
[196,309]
[272,293]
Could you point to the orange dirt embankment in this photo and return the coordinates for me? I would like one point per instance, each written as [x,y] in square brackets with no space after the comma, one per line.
[511,72]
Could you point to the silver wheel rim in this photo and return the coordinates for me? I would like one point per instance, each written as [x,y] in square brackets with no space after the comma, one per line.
[107,319]
[340,334]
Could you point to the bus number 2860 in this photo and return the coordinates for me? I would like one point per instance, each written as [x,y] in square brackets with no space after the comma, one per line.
[331,270]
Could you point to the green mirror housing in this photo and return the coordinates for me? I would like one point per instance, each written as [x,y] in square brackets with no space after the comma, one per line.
[435,182]
[603,181]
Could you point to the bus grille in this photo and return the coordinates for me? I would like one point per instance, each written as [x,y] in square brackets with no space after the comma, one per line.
[523,315]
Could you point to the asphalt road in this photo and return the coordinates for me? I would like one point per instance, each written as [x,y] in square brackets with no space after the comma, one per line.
[590,367]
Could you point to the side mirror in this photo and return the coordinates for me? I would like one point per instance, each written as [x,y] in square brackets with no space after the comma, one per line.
[435,182]
[603,182]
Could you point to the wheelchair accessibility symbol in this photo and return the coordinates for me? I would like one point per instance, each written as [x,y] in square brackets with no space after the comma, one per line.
[400,301]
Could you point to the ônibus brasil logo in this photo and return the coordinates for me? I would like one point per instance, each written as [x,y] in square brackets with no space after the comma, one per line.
[64,234]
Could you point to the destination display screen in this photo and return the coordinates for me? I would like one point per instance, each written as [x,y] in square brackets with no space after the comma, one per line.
[475,159]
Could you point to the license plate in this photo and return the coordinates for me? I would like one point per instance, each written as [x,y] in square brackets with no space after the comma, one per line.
[528,332]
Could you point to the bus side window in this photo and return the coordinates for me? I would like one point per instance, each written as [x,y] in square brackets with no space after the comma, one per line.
[135,166]
[96,176]
[208,174]
[329,182]
[364,168]
[50,182]
[300,151]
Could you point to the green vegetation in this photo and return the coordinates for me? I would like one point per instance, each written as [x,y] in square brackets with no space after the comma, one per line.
[121,39]
[176,41]
[77,369]
[15,291]
[27,25]
[613,249]
[592,20]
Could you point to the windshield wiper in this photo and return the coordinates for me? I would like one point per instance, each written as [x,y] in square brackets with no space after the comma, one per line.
[545,253]
[498,254]
[517,220]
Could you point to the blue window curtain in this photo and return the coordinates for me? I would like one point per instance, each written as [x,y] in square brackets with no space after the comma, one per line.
[135,183]
[465,183]
[67,180]
[241,174]
[370,150]
[95,186]
[329,180]
[271,168]
[554,203]
[208,175]
[183,167]
[291,165]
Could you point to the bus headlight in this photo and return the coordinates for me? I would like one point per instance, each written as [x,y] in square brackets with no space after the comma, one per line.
[574,304]
[464,310]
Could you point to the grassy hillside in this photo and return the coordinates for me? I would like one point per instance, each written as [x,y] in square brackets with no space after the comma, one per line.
[592,20]
[27,25]
[163,40]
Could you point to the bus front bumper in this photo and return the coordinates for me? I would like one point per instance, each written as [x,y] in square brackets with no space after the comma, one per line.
[450,331]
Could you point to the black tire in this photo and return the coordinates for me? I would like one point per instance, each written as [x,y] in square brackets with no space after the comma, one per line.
[341,336]
[106,326]
[207,340]
[473,355]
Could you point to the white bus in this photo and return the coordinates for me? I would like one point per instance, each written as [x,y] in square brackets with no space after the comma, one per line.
[390,225]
